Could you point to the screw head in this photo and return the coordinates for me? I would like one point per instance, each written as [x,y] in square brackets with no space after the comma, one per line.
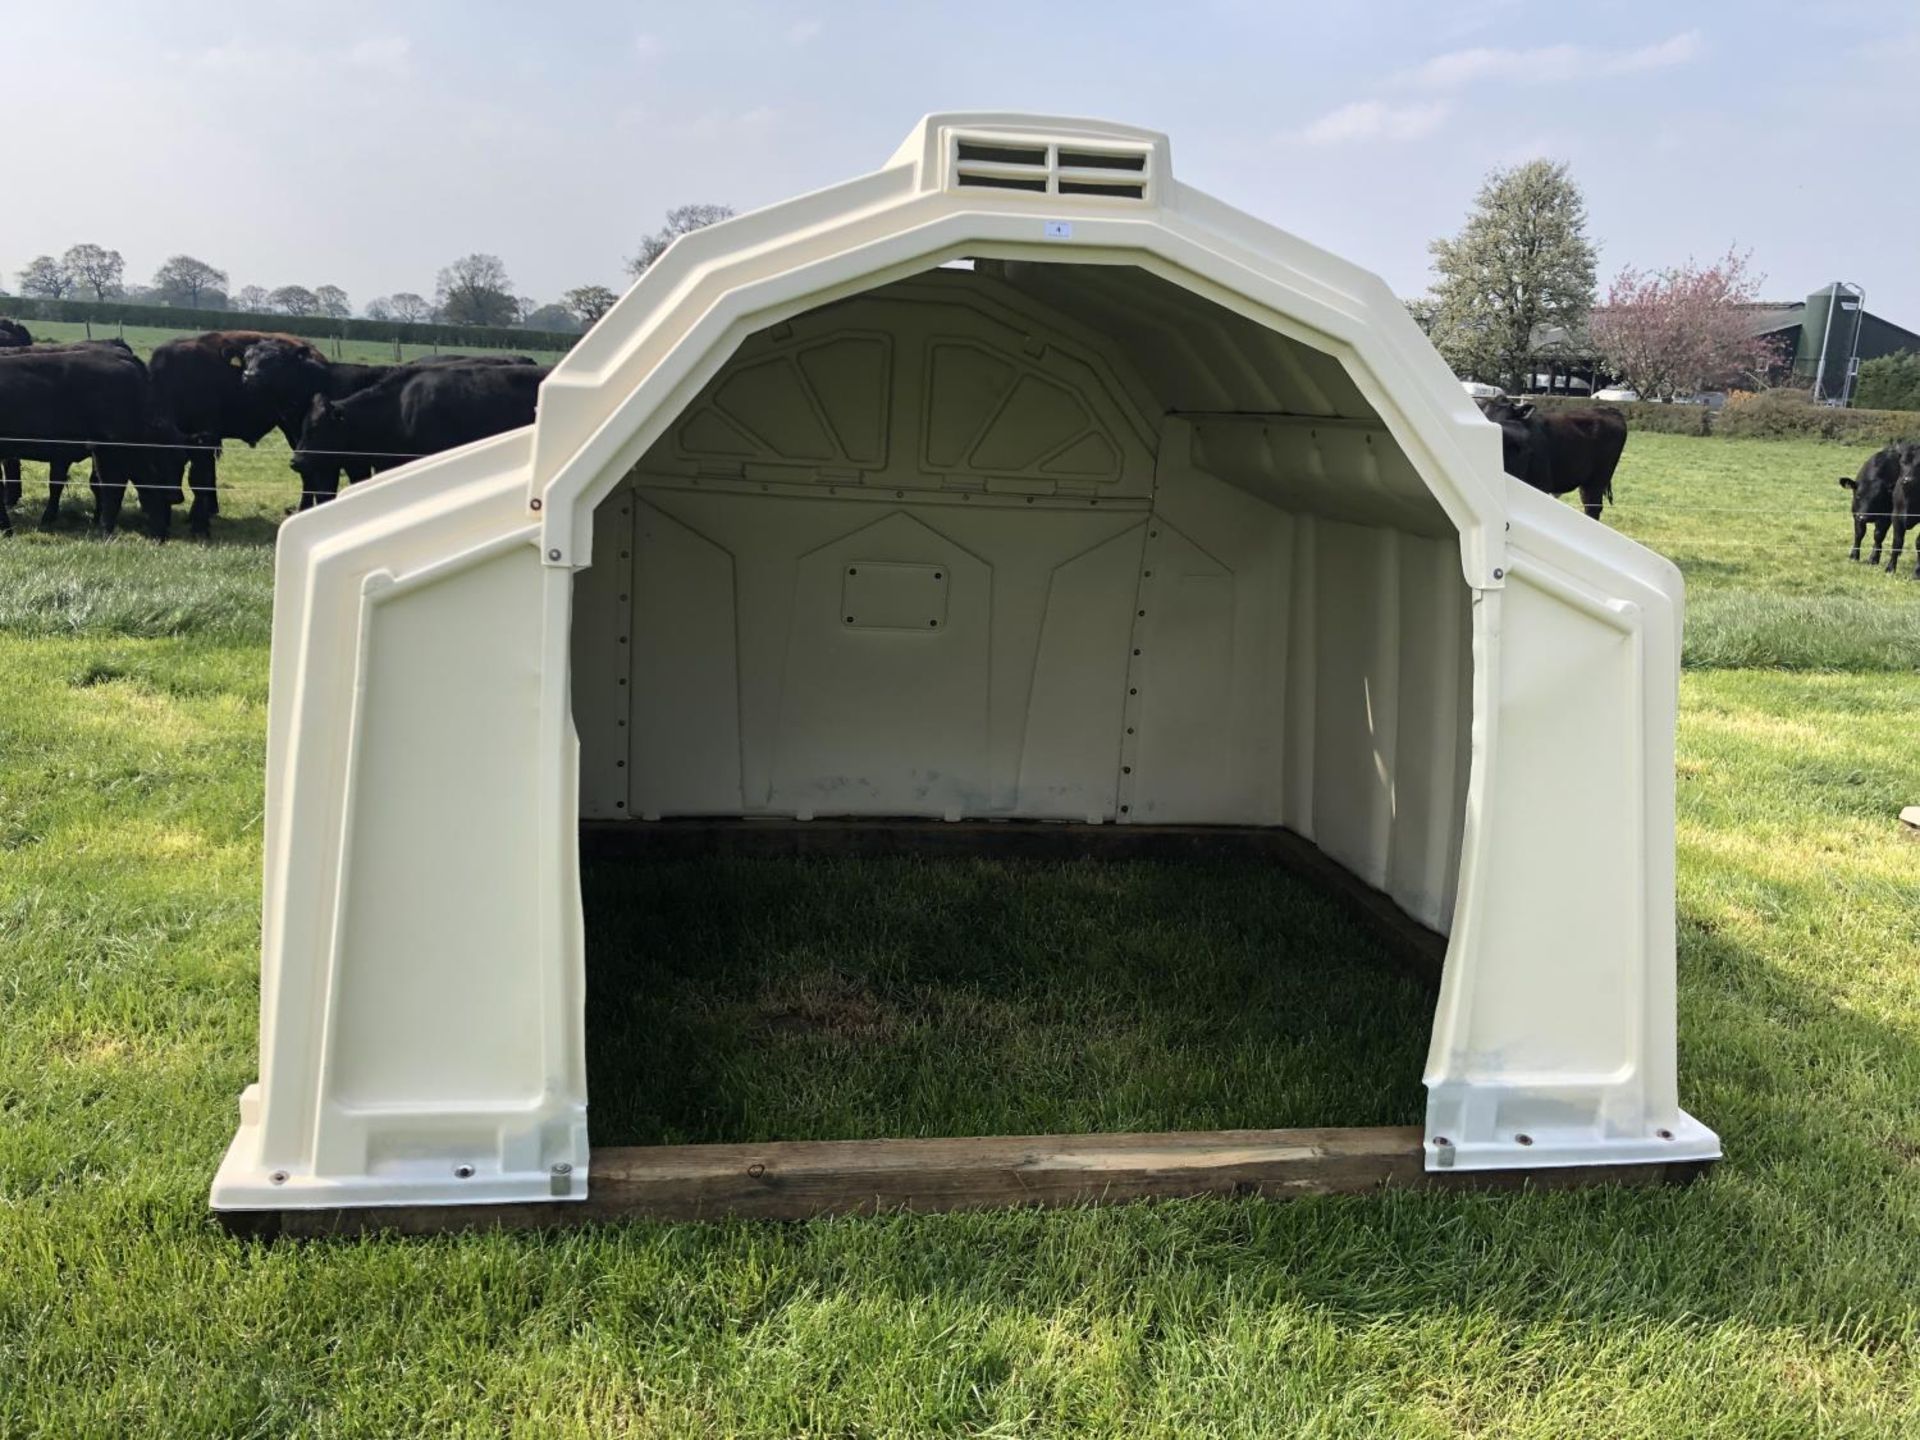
[1441,1142]
[553,554]
[534,504]
[1499,574]
[278,1177]
[756,1170]
[463,1172]
[1523,1139]
[1664,1134]
[563,1168]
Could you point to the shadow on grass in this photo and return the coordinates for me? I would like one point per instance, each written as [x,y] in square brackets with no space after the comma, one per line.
[737,1000]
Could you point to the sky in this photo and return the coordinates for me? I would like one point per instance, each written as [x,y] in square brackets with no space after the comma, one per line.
[366,145]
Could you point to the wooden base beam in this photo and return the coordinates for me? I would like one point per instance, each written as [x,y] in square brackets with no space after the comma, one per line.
[800,1179]
[1419,948]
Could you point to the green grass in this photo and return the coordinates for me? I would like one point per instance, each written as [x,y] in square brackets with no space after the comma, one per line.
[1775,1298]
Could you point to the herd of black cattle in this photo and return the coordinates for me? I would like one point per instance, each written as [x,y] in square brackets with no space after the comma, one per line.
[157,426]
[1886,493]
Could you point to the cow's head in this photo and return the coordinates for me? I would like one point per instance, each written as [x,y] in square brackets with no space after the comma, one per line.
[1504,408]
[281,367]
[1907,478]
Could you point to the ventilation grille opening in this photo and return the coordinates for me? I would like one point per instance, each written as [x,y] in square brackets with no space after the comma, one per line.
[1051,169]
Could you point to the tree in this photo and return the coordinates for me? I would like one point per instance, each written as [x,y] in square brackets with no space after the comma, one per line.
[95,268]
[378,309]
[550,317]
[252,300]
[333,302]
[409,307]
[1890,382]
[589,302]
[190,283]
[681,220]
[1522,262]
[1682,330]
[45,277]
[294,300]
[475,290]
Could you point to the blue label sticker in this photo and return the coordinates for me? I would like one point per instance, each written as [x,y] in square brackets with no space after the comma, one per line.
[1059,229]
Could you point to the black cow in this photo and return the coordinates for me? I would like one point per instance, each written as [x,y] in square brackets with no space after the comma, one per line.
[1563,450]
[12,334]
[59,462]
[196,383]
[417,410]
[1906,503]
[1873,499]
[292,375]
[64,402]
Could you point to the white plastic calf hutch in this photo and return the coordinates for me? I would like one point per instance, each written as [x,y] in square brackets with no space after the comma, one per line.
[1148,516]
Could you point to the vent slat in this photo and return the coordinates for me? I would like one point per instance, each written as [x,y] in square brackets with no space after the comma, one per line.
[1050,169]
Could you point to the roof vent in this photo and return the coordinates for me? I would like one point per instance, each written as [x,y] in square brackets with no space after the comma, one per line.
[1112,173]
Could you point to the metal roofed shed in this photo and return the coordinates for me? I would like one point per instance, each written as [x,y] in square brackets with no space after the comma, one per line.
[1154,519]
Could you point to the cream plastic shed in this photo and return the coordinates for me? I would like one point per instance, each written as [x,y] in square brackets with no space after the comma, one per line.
[1015,481]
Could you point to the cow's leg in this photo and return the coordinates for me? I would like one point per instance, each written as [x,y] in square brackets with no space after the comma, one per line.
[1880,523]
[156,494]
[57,473]
[9,484]
[109,492]
[1859,533]
[1899,539]
[1591,499]
[206,504]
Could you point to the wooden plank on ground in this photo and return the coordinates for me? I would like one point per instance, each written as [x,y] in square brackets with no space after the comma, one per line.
[800,1179]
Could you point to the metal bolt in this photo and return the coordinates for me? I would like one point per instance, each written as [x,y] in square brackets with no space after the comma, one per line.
[1443,1142]
[279,1177]
[1499,574]
[563,1168]
[533,504]
[1523,1139]
[756,1170]
[463,1172]
[1664,1134]
[553,554]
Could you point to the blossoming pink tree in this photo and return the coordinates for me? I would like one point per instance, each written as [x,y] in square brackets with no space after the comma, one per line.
[1678,331]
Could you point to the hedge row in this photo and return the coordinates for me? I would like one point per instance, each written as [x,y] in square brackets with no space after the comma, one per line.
[1641,414]
[1763,415]
[317,327]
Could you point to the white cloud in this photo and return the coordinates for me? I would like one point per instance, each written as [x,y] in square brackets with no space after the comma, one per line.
[649,47]
[1375,120]
[1550,64]
[801,31]
[722,124]
[1675,51]
[388,54]
[385,55]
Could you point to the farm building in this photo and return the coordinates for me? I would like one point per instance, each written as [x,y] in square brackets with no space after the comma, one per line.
[1832,324]
[1014,488]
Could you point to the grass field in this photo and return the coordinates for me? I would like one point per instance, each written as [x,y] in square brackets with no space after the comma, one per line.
[1779,1297]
